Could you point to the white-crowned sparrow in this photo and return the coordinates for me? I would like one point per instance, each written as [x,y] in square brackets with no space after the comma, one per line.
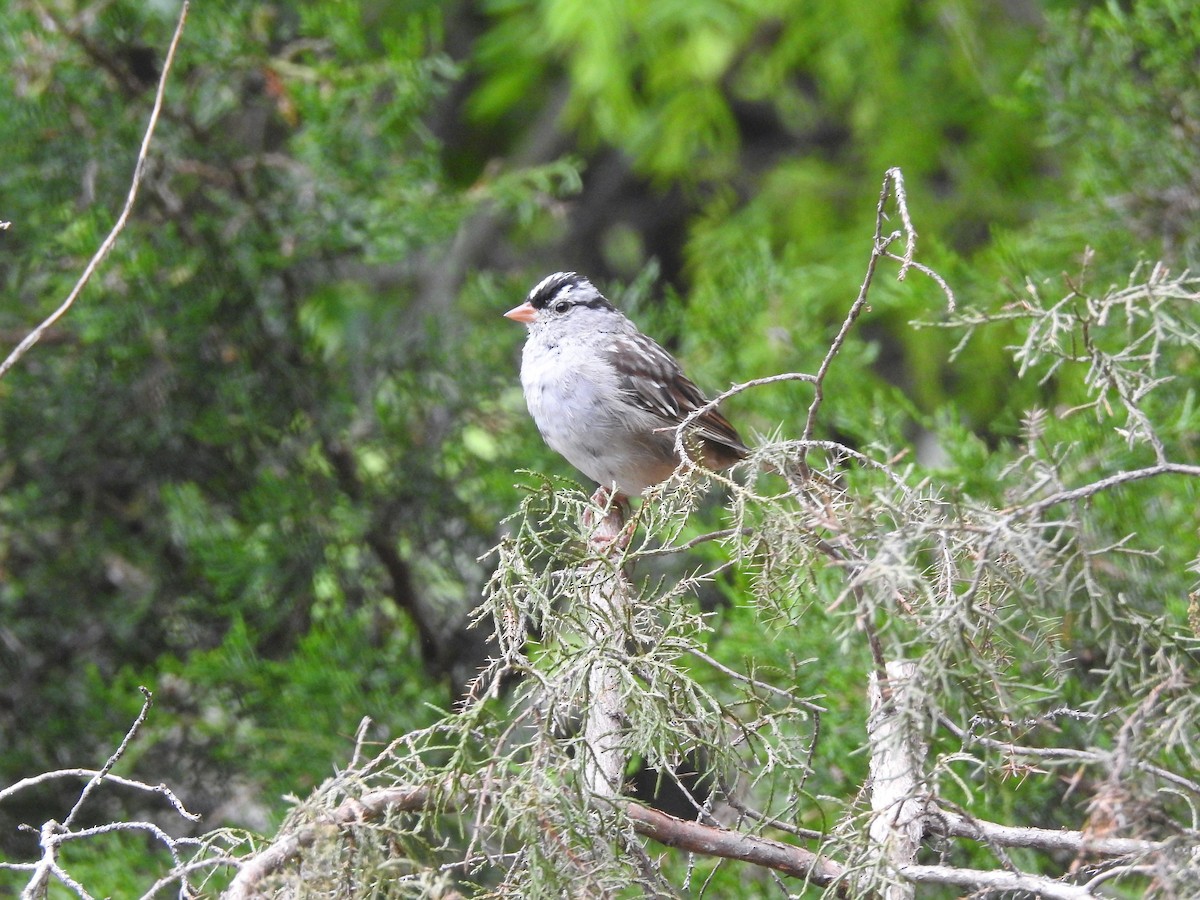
[607,397]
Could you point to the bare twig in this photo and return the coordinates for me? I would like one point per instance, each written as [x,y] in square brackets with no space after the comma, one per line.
[113,759]
[682,428]
[879,245]
[694,542]
[1070,754]
[107,244]
[910,233]
[1119,872]
[756,683]
[1103,484]
[360,737]
[52,834]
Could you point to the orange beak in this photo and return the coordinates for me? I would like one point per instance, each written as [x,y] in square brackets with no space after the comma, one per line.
[523,313]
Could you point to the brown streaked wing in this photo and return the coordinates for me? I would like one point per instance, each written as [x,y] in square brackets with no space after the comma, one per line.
[653,380]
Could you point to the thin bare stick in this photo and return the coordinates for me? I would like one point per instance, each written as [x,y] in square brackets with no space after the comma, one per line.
[682,428]
[951,303]
[910,233]
[1119,872]
[1104,484]
[893,186]
[360,738]
[112,760]
[1067,754]
[667,549]
[138,171]
[879,245]
[754,682]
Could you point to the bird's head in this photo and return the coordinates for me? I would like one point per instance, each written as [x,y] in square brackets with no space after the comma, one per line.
[557,298]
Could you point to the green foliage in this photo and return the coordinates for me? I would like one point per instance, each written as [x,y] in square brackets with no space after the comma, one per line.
[1124,94]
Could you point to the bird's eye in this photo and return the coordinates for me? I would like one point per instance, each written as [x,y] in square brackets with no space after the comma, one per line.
[562,306]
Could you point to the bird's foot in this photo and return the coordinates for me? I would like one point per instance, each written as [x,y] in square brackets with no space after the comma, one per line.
[606,518]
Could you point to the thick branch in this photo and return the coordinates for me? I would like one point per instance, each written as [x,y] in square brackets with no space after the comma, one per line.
[607,602]
[713,841]
[708,840]
[897,755]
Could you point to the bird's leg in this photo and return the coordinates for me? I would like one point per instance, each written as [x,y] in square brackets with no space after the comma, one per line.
[605,517]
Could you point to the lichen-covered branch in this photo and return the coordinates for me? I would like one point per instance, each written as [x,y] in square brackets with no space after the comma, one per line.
[607,599]
[668,830]
[897,756]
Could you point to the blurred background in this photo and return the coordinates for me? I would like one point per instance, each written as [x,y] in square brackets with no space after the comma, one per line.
[259,466]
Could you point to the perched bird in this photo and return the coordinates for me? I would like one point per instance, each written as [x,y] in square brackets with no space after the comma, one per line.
[607,397]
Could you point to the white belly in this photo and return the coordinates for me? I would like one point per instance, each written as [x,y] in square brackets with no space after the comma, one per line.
[578,410]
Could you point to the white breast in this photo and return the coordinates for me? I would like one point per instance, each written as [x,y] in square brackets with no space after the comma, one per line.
[574,397]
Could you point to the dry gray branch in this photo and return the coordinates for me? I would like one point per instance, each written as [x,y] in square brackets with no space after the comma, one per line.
[1058,498]
[97,775]
[1050,840]
[893,186]
[977,880]
[53,835]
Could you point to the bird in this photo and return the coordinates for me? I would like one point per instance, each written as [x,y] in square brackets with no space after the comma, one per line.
[608,398]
